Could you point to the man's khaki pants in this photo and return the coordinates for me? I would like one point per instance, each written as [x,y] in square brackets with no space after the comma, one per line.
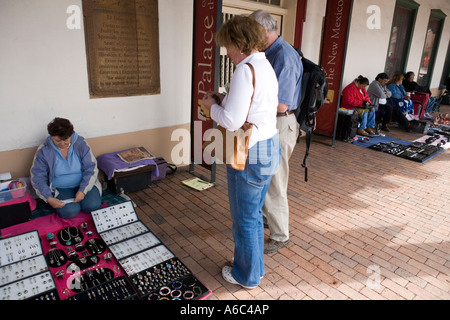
[276,207]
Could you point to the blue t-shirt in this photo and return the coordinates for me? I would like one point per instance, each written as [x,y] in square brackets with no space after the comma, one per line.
[67,171]
[289,70]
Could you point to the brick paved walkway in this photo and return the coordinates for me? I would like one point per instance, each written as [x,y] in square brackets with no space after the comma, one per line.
[367,225]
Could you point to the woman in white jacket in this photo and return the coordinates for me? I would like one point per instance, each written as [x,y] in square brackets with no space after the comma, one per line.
[244,38]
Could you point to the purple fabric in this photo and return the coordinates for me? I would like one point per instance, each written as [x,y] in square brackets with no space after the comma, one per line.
[110,162]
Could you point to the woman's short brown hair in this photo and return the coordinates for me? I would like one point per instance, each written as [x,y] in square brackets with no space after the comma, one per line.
[396,78]
[242,32]
[60,127]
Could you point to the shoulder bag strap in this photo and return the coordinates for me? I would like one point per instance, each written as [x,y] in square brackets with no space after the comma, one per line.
[254,89]
[254,84]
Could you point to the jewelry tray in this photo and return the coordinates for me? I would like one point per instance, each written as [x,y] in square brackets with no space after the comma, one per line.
[116,289]
[82,264]
[24,271]
[143,256]
[416,151]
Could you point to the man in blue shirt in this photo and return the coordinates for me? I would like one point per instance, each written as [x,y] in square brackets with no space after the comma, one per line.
[289,70]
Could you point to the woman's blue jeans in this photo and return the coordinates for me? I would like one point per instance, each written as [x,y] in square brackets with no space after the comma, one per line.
[91,202]
[368,120]
[430,105]
[246,193]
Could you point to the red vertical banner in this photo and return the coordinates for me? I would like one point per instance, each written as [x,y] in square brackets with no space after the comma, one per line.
[207,18]
[302,6]
[333,57]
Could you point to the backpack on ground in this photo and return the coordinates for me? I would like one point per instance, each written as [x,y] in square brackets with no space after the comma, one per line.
[314,93]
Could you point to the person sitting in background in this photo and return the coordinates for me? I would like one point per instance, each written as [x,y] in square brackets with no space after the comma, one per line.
[64,168]
[411,86]
[400,97]
[356,96]
[445,95]
[379,95]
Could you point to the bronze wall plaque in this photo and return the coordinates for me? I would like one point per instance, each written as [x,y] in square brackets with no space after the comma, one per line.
[122,43]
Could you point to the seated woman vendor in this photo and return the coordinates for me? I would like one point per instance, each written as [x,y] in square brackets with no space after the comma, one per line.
[400,97]
[64,171]
[356,96]
[411,86]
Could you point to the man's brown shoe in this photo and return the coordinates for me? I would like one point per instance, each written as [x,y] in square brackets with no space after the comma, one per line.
[370,131]
[411,127]
[273,246]
[362,132]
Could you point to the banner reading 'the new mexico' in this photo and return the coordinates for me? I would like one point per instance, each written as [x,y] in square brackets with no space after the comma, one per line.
[333,55]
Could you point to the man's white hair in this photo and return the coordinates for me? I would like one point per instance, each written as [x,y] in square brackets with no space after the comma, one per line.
[266,20]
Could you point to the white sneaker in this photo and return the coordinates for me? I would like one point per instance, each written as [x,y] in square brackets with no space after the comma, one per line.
[226,274]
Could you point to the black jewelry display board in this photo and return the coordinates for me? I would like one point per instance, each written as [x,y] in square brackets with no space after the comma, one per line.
[155,272]
[82,265]
[416,151]
[24,272]
[117,289]
[113,256]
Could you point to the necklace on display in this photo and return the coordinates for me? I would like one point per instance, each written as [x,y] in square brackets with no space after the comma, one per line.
[76,235]
[94,247]
[67,241]
[56,257]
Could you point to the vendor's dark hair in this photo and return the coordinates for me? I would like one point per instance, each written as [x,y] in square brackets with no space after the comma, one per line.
[408,74]
[362,80]
[60,127]
[382,76]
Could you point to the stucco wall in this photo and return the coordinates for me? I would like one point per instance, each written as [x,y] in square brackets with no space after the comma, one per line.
[44,74]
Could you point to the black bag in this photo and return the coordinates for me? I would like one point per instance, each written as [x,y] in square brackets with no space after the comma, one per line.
[347,126]
[14,214]
[314,93]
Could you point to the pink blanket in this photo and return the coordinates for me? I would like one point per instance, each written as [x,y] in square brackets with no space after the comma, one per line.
[45,225]
[52,224]
[26,198]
